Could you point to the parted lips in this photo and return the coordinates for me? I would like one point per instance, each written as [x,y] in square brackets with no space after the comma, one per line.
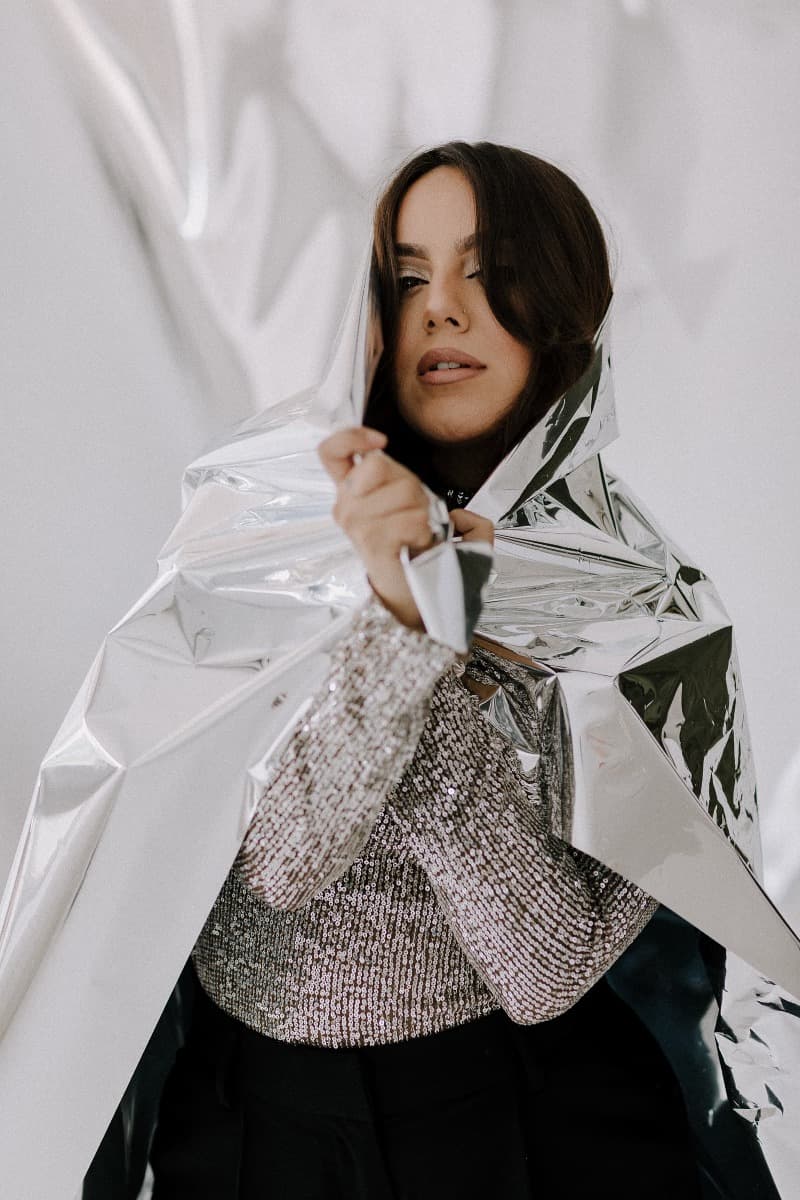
[446,354]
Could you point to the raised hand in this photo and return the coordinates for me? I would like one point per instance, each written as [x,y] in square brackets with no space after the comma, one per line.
[382,506]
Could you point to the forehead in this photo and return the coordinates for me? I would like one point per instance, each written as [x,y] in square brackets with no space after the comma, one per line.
[437,211]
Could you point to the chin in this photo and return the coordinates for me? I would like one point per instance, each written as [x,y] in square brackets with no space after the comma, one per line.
[453,437]
[453,434]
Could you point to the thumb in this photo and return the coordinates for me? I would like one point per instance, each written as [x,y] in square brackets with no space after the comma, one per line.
[472,527]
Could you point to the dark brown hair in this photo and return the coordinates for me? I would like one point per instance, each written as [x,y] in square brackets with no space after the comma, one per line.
[544,266]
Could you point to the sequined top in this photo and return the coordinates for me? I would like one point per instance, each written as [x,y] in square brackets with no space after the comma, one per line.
[399,876]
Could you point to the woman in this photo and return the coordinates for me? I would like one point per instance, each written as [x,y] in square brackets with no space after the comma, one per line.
[402,986]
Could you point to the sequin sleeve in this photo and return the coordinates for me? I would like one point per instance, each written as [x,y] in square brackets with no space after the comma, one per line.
[540,921]
[324,792]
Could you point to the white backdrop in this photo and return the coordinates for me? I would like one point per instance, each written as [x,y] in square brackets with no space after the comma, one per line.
[184,193]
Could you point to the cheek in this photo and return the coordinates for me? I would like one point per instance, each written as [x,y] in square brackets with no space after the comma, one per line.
[515,357]
[402,343]
[519,363]
[405,363]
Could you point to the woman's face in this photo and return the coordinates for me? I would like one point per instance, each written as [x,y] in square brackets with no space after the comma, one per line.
[445,317]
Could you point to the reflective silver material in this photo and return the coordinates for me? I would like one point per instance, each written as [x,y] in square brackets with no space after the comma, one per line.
[630,641]
[145,794]
[438,517]
[448,582]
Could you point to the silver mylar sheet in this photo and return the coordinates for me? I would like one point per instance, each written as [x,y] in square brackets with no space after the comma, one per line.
[144,796]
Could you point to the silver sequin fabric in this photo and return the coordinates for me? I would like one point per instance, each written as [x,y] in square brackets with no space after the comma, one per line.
[400,876]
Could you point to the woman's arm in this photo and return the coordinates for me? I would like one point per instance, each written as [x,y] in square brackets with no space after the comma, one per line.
[540,921]
[326,789]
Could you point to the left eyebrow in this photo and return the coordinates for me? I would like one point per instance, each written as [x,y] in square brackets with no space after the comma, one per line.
[411,250]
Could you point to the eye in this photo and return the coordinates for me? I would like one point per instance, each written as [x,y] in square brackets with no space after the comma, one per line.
[407,282]
[474,274]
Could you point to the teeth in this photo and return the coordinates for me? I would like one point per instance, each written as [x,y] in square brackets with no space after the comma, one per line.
[449,366]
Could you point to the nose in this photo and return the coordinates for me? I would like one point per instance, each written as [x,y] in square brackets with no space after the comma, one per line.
[444,307]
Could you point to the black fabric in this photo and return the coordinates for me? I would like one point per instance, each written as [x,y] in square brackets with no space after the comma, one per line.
[583,1105]
[118,1168]
[605,1104]
[673,978]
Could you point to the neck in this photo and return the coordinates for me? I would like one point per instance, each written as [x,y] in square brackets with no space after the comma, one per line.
[461,466]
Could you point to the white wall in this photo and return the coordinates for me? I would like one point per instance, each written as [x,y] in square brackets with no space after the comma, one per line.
[99,411]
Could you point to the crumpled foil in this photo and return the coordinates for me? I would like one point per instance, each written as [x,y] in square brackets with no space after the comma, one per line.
[145,793]
[144,796]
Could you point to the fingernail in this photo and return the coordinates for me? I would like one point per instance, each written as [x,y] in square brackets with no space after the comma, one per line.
[376,436]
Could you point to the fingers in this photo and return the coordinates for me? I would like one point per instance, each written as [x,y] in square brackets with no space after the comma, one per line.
[337,452]
[376,470]
[385,519]
[408,528]
[371,472]
[400,495]
[471,527]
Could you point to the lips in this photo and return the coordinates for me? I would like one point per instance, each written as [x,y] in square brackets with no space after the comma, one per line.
[444,354]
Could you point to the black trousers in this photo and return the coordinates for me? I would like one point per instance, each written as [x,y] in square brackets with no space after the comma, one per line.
[585,1105]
